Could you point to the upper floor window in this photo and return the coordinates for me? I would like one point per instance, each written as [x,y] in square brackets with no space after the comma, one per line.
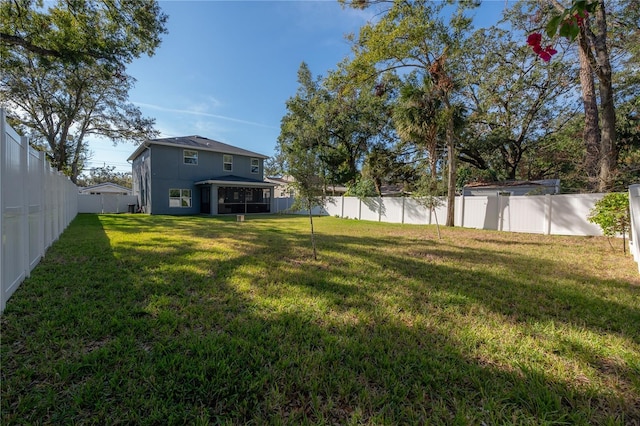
[227,162]
[255,165]
[190,157]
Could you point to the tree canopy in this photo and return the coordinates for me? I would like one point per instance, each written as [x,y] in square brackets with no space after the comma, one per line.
[460,104]
[64,72]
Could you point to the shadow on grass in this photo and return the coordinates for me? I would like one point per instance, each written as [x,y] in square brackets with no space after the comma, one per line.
[201,320]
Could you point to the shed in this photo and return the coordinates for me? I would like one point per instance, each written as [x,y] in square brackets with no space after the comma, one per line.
[534,187]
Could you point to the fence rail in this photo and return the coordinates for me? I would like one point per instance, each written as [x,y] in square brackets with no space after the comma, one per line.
[36,205]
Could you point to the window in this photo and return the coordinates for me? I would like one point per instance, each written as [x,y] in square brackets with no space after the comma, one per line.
[190,157]
[255,165]
[227,163]
[179,198]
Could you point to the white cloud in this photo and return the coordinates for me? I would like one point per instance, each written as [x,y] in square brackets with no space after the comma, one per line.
[198,110]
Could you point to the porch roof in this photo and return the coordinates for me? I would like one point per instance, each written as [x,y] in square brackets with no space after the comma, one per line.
[236,181]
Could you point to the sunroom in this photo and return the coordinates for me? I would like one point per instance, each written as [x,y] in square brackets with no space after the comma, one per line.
[235,195]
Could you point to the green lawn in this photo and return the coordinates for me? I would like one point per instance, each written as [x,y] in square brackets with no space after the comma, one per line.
[134,319]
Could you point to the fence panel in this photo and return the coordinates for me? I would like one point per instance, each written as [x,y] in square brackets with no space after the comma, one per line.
[522,214]
[480,212]
[392,209]
[14,218]
[569,214]
[36,204]
[634,210]
[35,196]
[105,203]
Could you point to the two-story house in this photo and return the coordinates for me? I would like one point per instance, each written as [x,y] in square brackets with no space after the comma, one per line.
[192,175]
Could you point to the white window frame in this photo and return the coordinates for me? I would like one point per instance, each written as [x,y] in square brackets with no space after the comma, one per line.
[190,157]
[255,166]
[227,159]
[180,198]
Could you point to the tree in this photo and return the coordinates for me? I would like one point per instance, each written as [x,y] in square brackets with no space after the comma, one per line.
[105,174]
[575,21]
[427,194]
[107,31]
[63,104]
[416,35]
[418,119]
[302,135]
[63,72]
[611,213]
[514,105]
[356,116]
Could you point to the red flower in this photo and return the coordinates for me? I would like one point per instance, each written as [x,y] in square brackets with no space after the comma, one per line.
[545,54]
[534,39]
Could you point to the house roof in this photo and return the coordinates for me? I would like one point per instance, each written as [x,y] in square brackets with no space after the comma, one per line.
[104,185]
[195,142]
[515,183]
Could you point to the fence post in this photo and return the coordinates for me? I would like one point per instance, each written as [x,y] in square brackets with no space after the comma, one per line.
[24,184]
[342,206]
[3,144]
[402,219]
[634,232]
[462,210]
[547,214]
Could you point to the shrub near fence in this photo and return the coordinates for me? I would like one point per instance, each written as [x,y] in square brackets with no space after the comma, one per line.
[36,205]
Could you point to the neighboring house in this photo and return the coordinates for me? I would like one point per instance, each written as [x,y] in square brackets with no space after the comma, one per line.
[105,188]
[193,174]
[536,187]
[283,188]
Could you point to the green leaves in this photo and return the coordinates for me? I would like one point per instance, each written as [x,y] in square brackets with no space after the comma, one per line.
[611,213]
[569,22]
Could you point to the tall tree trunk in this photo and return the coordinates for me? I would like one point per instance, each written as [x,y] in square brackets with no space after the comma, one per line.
[591,134]
[608,149]
[313,235]
[451,159]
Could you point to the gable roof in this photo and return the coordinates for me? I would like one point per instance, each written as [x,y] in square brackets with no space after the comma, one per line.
[196,142]
[104,186]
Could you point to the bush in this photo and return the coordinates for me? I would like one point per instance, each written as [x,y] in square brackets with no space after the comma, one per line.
[611,213]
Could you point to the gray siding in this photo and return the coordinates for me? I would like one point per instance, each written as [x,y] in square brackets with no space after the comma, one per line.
[141,179]
[162,168]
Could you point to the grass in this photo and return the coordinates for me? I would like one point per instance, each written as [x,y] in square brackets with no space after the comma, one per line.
[164,320]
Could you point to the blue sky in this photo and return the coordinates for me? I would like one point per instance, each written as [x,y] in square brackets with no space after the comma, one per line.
[226,68]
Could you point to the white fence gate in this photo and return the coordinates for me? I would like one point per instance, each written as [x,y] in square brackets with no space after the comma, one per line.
[36,205]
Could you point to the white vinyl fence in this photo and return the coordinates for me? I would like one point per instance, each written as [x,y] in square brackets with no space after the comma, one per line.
[36,205]
[538,214]
[106,203]
[634,209]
